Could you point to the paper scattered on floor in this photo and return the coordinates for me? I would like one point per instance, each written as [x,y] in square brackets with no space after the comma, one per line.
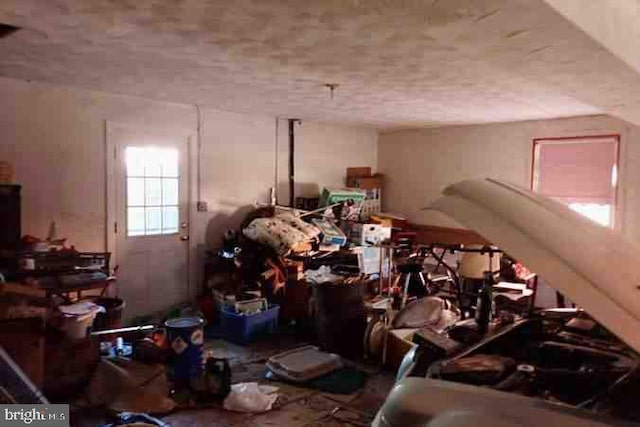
[251,397]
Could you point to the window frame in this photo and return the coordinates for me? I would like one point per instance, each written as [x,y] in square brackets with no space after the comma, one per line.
[615,216]
[144,206]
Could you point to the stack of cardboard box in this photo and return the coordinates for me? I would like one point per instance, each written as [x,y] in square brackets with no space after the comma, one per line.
[371,184]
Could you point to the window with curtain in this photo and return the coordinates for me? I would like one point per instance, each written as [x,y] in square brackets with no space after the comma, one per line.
[581,172]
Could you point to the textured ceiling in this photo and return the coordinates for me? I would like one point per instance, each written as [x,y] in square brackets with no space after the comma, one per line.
[398,63]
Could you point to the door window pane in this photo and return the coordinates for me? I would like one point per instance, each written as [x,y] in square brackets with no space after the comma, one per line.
[153,162]
[135,221]
[170,219]
[152,190]
[168,164]
[153,221]
[170,191]
[134,157]
[135,191]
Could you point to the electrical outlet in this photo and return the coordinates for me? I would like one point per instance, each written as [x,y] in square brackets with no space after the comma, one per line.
[202,206]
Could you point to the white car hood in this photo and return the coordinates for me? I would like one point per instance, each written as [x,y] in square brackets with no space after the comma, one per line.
[592,265]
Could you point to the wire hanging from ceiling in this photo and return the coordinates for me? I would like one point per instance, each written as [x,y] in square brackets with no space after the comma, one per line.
[332,89]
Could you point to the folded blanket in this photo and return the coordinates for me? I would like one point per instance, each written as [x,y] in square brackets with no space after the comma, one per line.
[294,221]
[283,232]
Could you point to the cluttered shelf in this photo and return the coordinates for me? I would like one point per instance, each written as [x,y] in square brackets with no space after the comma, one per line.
[62,271]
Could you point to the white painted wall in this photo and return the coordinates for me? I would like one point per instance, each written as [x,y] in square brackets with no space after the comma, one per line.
[325,152]
[419,164]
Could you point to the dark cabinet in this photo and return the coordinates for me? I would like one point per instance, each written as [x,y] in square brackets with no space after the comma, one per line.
[10,228]
[10,231]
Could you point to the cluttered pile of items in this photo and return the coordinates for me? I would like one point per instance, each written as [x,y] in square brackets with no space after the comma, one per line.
[46,311]
[348,276]
[314,267]
[343,276]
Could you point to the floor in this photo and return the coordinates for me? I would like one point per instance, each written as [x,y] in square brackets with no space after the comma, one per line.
[296,406]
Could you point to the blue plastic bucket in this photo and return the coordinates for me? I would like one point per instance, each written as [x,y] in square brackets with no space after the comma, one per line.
[186,338]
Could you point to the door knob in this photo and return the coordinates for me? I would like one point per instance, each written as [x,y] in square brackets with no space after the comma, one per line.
[184,238]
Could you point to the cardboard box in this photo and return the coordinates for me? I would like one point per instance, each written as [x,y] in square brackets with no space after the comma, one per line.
[369,234]
[331,196]
[365,182]
[399,342]
[369,260]
[357,172]
[369,208]
[331,234]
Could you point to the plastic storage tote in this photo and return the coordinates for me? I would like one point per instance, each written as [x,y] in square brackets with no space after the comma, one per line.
[242,329]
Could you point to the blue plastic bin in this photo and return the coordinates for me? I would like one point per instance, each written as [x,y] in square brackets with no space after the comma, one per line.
[242,329]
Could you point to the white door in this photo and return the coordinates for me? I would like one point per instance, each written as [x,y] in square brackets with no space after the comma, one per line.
[150,173]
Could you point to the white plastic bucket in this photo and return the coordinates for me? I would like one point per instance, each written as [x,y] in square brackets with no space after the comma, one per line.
[77,327]
[78,318]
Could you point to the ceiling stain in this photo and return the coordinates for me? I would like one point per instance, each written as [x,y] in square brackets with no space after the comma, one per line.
[540,49]
[487,15]
[6,30]
[517,33]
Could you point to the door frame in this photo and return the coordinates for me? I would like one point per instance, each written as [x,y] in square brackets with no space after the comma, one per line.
[111,199]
